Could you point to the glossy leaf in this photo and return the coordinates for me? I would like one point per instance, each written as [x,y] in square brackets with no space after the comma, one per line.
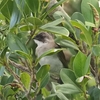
[67,89]
[10,79]
[25,27]
[53,23]
[57,30]
[42,72]
[15,43]
[87,65]
[25,79]
[3,3]
[35,21]
[61,96]
[89,24]
[78,16]
[96,50]
[33,5]
[4,80]
[8,91]
[45,92]
[51,27]
[45,80]
[6,8]
[23,54]
[79,64]
[94,93]
[51,97]
[2,69]
[16,16]
[67,76]
[3,53]
[66,42]
[49,52]
[87,36]
[21,5]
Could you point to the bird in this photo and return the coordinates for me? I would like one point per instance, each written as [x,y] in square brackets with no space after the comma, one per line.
[45,41]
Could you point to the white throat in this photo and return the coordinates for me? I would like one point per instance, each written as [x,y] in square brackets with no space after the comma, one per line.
[39,43]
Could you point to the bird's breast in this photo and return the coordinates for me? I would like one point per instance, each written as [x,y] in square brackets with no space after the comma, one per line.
[54,62]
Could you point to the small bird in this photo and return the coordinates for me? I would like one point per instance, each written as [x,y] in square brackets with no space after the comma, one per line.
[45,42]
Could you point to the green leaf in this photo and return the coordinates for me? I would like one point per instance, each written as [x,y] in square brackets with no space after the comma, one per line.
[38,97]
[6,8]
[66,42]
[57,30]
[67,89]
[2,69]
[8,91]
[10,79]
[79,64]
[66,23]
[87,36]
[3,3]
[2,16]
[87,64]
[3,53]
[51,97]
[61,96]
[94,92]
[42,72]
[51,27]
[4,80]
[23,54]
[25,27]
[78,16]
[15,43]
[45,92]
[25,79]
[45,80]
[87,11]
[68,76]
[33,5]
[96,50]
[35,21]
[49,52]
[16,16]
[21,5]
[53,23]
[89,24]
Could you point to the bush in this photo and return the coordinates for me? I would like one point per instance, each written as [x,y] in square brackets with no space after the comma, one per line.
[21,78]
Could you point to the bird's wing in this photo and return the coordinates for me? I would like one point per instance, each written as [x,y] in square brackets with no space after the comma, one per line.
[64,56]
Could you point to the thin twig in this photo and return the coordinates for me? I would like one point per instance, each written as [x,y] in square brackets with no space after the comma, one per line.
[15,76]
[32,33]
[23,62]
[23,68]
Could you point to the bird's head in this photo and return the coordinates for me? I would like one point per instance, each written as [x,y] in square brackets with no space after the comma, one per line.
[43,37]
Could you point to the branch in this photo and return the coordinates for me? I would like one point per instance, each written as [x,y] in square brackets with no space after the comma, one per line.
[59,8]
[23,68]
[15,75]
[31,35]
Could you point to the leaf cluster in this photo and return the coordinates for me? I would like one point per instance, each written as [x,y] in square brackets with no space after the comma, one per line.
[21,76]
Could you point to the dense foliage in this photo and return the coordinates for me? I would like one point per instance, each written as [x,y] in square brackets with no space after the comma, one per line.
[21,78]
